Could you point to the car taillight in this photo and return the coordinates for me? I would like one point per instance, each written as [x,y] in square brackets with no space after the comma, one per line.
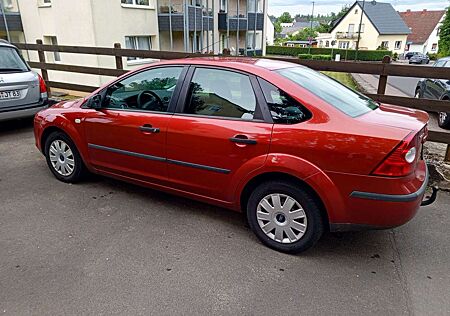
[42,87]
[402,160]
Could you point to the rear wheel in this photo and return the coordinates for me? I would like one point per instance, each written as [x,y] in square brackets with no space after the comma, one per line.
[63,158]
[284,216]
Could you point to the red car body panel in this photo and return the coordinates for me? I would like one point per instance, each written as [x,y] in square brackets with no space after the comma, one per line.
[334,154]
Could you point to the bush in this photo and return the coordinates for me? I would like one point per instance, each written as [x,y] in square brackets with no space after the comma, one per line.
[321,57]
[304,56]
[433,56]
[346,54]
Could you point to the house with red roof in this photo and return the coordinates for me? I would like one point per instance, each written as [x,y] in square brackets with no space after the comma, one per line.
[424,26]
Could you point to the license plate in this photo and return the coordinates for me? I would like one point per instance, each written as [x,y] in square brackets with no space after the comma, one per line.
[6,95]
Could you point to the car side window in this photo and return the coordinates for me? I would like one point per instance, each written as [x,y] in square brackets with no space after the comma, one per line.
[149,90]
[284,109]
[439,63]
[221,93]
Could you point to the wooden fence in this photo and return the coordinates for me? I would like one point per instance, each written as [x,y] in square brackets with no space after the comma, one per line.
[383,69]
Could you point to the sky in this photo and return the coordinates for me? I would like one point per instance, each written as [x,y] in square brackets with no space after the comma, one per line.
[277,7]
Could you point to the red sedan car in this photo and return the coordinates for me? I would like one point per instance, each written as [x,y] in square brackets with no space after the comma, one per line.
[296,151]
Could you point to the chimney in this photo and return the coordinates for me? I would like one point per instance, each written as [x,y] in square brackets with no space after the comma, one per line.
[409,10]
[424,11]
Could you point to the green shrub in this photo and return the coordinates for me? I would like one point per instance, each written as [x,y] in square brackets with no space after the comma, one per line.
[321,57]
[346,54]
[304,56]
[433,56]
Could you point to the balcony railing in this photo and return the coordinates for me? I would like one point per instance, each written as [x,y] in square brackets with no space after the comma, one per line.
[347,35]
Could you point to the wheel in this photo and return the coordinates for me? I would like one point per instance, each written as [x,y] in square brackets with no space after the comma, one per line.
[284,216]
[63,158]
[417,94]
[444,120]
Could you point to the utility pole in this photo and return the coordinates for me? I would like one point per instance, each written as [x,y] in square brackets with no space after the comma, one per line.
[2,11]
[359,30]
[311,27]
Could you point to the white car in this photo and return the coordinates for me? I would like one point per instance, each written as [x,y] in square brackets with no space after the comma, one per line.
[22,91]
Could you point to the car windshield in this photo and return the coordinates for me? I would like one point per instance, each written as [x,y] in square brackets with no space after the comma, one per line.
[344,99]
[10,61]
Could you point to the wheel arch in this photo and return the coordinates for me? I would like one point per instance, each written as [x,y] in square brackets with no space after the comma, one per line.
[280,176]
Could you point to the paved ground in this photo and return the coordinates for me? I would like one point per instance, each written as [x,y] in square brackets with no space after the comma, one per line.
[105,247]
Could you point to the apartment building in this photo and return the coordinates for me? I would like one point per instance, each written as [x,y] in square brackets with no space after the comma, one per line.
[206,26]
[10,21]
[210,26]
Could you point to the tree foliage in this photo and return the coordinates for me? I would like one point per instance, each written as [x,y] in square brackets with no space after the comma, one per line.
[304,34]
[285,18]
[444,35]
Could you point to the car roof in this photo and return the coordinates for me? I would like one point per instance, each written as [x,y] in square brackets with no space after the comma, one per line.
[4,43]
[445,58]
[244,63]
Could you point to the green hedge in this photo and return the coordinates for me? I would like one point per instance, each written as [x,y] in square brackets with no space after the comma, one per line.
[346,54]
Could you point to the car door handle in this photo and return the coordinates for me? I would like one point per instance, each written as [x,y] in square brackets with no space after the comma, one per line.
[242,139]
[147,128]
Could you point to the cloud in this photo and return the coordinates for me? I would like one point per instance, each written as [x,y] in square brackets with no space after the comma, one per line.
[277,7]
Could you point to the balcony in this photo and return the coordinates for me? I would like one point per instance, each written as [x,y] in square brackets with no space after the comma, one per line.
[346,35]
[174,14]
[13,20]
[240,22]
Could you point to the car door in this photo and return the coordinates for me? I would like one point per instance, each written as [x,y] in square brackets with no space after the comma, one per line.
[217,132]
[432,86]
[127,136]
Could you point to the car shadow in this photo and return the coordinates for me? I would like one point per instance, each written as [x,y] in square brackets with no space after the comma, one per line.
[14,126]
[331,244]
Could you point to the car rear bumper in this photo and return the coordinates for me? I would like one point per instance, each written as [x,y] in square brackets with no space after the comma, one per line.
[373,210]
[22,112]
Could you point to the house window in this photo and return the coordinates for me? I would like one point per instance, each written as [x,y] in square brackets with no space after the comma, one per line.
[138,42]
[52,40]
[434,46]
[438,31]
[385,44]
[44,3]
[351,28]
[356,11]
[344,44]
[327,44]
[398,44]
[137,2]
[362,28]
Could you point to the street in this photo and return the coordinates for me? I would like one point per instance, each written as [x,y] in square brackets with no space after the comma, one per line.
[107,247]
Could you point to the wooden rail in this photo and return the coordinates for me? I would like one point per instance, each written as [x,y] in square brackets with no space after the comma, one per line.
[383,69]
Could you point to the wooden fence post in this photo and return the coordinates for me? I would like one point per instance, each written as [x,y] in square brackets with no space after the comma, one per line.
[119,62]
[44,72]
[383,78]
[447,154]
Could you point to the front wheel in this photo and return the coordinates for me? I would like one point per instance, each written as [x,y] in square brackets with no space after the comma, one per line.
[444,120]
[285,217]
[63,158]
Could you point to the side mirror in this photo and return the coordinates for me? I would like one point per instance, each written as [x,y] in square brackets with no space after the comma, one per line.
[95,102]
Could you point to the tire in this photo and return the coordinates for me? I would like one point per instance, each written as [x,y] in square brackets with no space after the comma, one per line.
[417,94]
[444,120]
[63,158]
[307,217]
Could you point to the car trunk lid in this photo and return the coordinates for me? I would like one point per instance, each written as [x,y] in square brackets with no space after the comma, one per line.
[19,89]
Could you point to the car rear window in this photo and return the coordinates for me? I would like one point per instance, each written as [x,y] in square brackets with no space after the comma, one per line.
[344,99]
[10,61]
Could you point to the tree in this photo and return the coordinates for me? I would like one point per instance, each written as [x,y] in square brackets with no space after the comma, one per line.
[444,35]
[285,18]
[323,28]
[277,27]
[304,34]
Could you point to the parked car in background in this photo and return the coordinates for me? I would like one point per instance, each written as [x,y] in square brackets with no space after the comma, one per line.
[419,59]
[22,92]
[438,89]
[408,55]
[298,152]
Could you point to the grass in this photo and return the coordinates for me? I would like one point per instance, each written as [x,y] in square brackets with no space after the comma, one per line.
[342,77]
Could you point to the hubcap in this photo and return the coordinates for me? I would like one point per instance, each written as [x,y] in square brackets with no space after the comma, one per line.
[281,218]
[61,157]
[442,117]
